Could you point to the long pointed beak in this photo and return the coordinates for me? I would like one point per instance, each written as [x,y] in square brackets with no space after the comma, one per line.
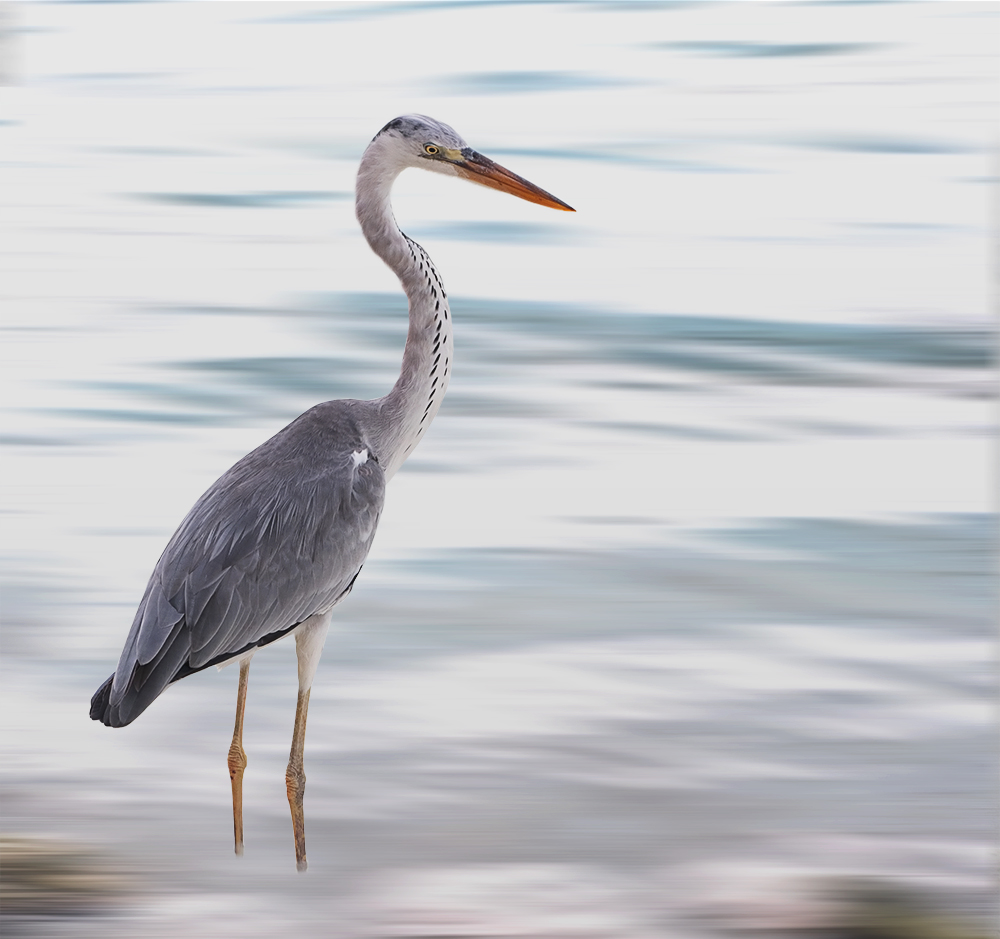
[479,169]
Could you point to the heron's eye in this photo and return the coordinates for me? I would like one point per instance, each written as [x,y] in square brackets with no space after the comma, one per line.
[430,149]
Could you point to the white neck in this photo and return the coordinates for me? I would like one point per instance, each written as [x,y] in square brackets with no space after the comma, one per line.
[406,412]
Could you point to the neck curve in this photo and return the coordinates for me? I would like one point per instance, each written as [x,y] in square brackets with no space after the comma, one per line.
[405,413]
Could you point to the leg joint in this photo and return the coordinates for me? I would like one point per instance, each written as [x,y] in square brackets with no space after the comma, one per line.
[295,783]
[237,759]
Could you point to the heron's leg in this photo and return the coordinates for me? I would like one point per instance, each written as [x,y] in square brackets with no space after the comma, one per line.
[308,646]
[295,780]
[237,756]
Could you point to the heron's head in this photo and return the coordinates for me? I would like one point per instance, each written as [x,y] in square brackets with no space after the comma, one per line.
[417,140]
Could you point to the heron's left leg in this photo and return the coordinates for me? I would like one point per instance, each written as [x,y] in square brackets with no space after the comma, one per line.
[308,645]
[237,756]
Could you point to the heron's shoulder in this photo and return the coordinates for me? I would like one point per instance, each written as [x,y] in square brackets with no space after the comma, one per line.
[327,434]
[316,475]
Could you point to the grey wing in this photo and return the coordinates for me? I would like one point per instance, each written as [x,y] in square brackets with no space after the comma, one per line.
[278,538]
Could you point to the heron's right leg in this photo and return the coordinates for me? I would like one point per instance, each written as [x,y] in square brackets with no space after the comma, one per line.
[237,756]
[309,640]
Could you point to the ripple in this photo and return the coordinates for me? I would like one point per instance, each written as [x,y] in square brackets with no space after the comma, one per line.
[523,82]
[242,200]
[876,144]
[771,50]
[628,153]
[341,12]
[501,232]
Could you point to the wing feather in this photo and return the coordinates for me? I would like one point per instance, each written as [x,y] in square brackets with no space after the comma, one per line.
[278,538]
[159,617]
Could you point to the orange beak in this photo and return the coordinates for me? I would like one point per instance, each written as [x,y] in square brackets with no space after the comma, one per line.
[479,169]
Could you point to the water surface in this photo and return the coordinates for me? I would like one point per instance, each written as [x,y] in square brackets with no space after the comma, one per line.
[686,603]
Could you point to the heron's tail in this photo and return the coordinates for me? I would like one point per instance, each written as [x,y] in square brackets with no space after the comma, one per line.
[100,704]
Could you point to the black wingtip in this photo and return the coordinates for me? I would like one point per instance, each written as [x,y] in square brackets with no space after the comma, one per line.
[99,704]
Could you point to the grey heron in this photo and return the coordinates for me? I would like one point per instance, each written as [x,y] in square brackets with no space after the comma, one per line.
[279,539]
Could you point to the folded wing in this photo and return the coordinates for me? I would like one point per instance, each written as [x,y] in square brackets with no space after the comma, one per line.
[278,538]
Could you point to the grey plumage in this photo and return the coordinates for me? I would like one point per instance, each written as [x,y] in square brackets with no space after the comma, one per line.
[278,538]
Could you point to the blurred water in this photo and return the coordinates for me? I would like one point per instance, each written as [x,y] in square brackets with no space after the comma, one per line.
[686,603]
